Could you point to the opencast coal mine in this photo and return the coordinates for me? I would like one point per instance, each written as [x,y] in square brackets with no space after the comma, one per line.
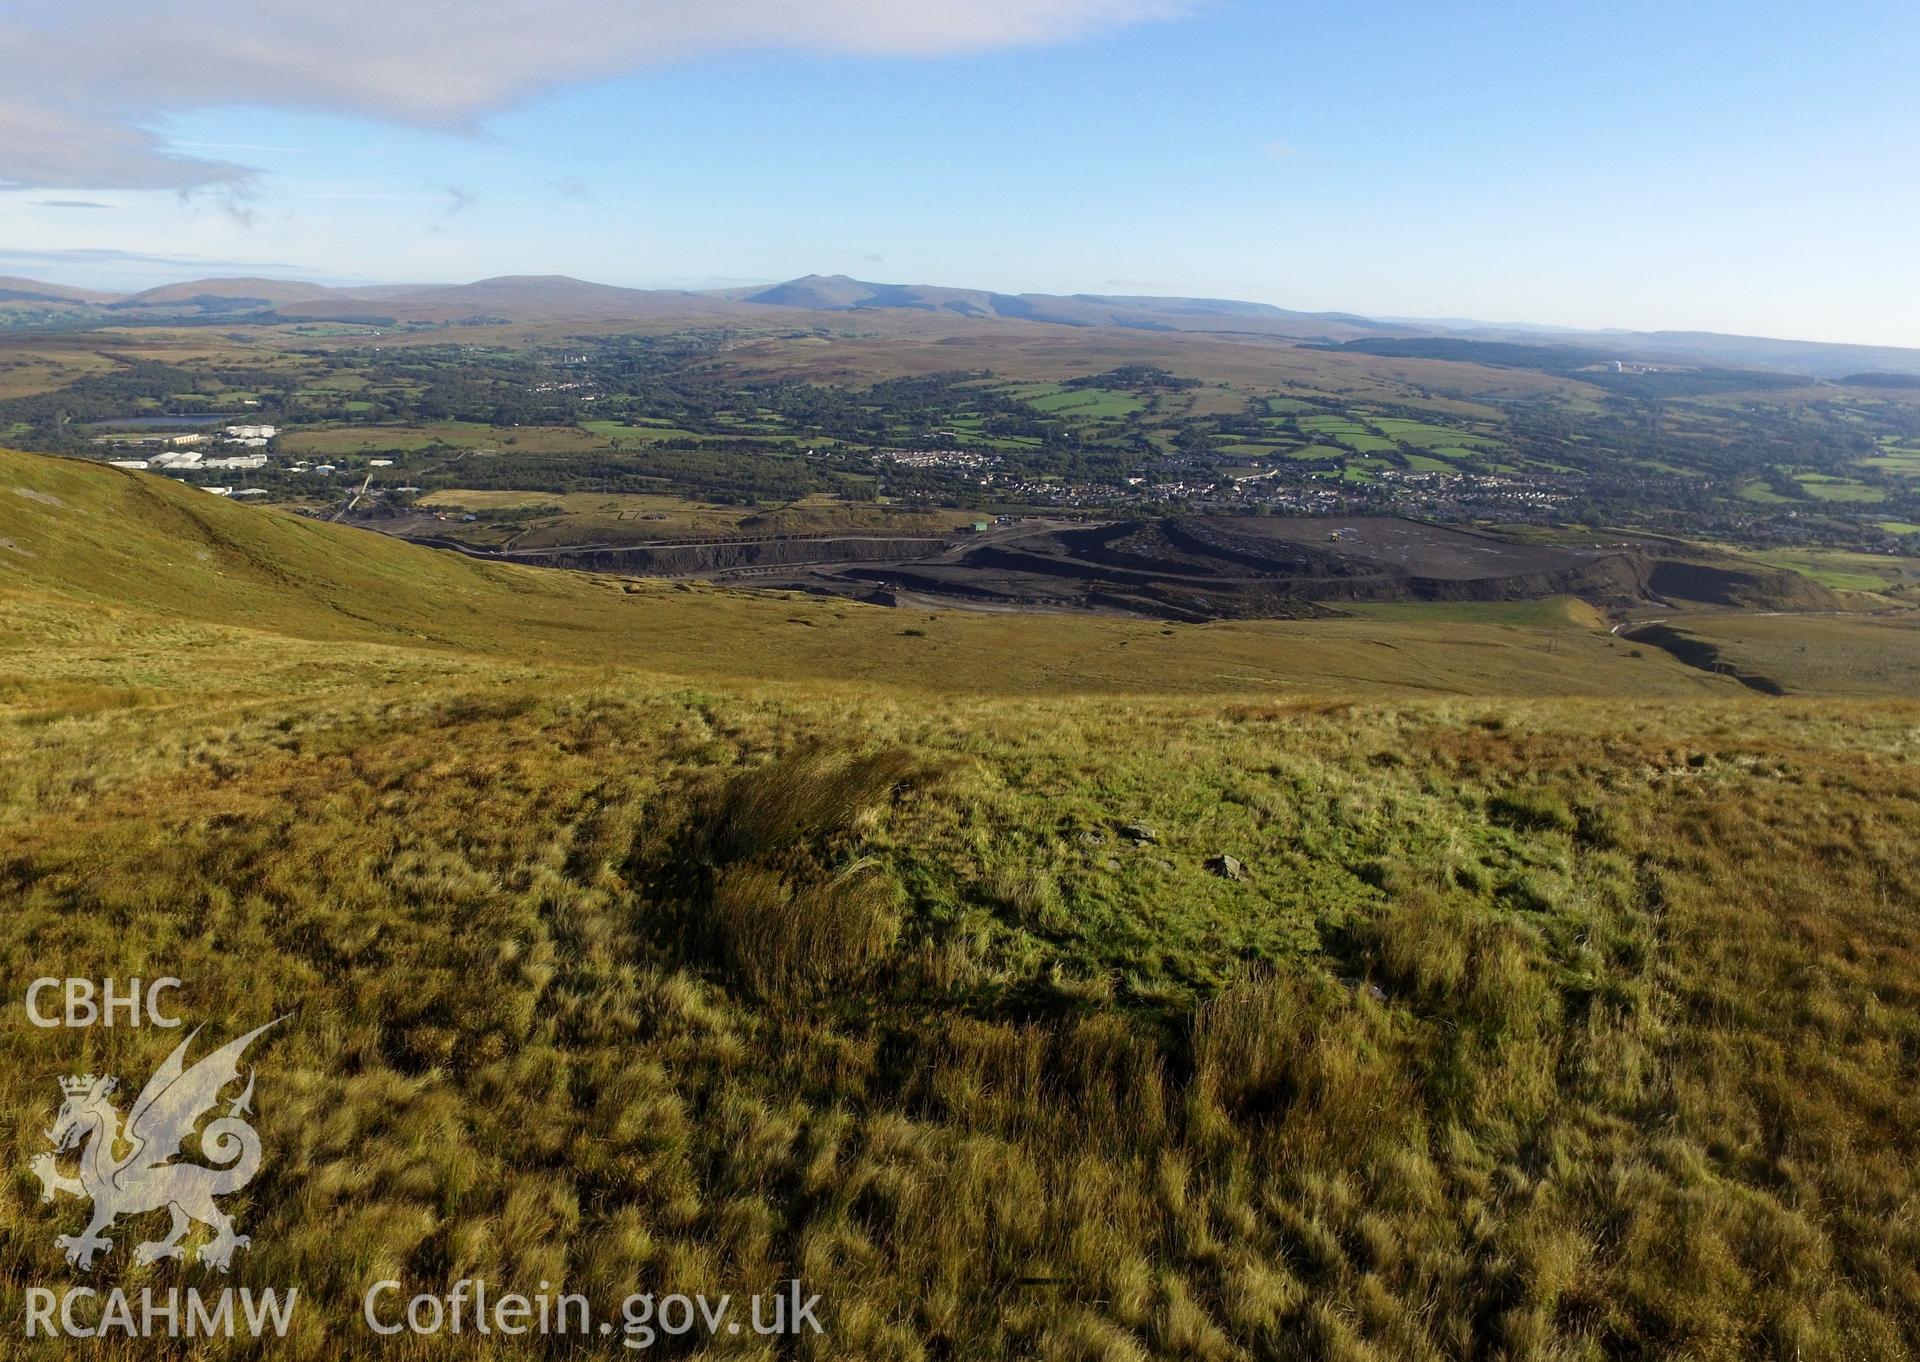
[1195,568]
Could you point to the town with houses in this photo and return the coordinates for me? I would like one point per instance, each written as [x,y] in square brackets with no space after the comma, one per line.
[962,476]
[1292,489]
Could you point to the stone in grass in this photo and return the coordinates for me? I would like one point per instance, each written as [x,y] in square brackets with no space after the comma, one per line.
[1227,868]
[1139,834]
[1373,990]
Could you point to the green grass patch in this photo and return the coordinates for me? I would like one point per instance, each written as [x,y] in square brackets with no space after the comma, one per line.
[1761,494]
[1842,570]
[1825,487]
[1098,404]
[638,433]
[1901,463]
[1555,612]
[1336,426]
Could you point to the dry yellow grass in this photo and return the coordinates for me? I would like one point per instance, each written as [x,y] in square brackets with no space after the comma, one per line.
[621,967]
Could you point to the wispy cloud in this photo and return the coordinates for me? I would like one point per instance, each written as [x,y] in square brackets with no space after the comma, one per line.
[97,255]
[458,198]
[68,203]
[86,81]
[230,146]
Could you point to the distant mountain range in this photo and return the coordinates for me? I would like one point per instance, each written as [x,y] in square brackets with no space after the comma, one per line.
[559,298]
[837,293]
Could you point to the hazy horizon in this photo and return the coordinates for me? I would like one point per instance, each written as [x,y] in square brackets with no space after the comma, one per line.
[1746,170]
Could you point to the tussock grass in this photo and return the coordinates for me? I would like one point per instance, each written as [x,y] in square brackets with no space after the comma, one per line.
[633,981]
[770,867]
[1655,1106]
[780,940]
[772,809]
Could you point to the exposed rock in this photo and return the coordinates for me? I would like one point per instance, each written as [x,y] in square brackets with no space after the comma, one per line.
[1139,834]
[1227,868]
[1373,990]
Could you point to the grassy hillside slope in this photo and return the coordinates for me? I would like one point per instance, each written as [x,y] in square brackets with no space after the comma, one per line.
[1534,1026]
[74,532]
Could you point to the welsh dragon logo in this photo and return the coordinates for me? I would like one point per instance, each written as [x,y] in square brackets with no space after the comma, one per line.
[149,1174]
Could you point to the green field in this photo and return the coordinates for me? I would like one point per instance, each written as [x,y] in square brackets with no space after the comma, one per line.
[1433,437]
[1842,570]
[1555,612]
[638,432]
[1903,463]
[1093,404]
[1339,427]
[1825,487]
[456,435]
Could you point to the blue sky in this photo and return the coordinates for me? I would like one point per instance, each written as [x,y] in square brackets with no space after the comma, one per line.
[1749,167]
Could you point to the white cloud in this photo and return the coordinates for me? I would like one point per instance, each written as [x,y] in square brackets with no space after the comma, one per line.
[45,146]
[87,77]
